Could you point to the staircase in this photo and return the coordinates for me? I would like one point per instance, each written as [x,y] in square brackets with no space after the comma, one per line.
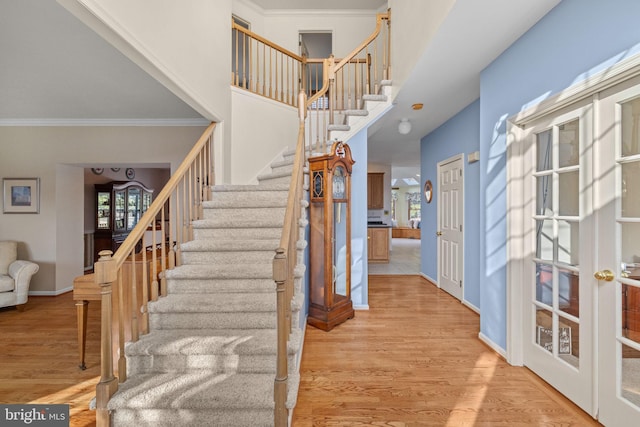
[210,358]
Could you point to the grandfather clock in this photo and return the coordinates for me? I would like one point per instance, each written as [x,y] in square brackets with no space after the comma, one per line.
[330,238]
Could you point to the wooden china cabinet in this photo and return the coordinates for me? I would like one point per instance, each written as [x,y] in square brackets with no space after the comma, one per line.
[330,238]
[119,207]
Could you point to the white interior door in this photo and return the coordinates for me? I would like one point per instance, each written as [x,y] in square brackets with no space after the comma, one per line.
[617,198]
[450,216]
[558,295]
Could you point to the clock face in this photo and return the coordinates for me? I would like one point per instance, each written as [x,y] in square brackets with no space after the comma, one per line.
[339,186]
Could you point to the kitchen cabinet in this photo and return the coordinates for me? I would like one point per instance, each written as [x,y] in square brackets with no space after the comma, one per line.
[378,244]
[375,190]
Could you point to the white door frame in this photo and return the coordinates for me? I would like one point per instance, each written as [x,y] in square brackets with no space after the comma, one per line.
[459,157]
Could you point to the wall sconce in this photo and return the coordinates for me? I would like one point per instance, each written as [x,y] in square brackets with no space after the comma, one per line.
[404,127]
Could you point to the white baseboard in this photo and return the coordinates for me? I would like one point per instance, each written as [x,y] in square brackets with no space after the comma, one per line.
[50,293]
[361,307]
[495,347]
[471,306]
[435,282]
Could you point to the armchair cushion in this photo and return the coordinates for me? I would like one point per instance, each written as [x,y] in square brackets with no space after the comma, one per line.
[6,283]
[8,254]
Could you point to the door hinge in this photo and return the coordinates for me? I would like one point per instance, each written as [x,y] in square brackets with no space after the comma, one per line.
[460,227]
[460,172]
[460,283]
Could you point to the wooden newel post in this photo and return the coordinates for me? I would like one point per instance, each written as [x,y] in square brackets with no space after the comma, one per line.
[105,275]
[280,384]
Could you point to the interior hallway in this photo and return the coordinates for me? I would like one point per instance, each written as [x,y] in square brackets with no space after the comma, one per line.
[404,258]
[414,359]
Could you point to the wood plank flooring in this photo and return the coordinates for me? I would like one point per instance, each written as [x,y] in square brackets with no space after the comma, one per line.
[414,359]
[39,356]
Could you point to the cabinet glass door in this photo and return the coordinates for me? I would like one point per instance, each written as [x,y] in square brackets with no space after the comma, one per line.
[134,204]
[104,210]
[119,210]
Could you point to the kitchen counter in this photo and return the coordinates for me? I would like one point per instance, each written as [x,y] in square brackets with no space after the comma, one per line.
[378,226]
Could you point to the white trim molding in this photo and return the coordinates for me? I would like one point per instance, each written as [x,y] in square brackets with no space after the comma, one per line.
[104,122]
[495,347]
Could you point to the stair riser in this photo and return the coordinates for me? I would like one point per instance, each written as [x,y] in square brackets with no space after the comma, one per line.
[227,258]
[288,169]
[243,213]
[263,196]
[193,417]
[279,180]
[260,363]
[206,286]
[237,233]
[260,320]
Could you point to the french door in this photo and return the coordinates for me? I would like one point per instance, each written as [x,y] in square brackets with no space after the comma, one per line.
[581,287]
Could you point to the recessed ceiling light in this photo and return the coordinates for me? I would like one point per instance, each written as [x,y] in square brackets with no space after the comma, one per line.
[417,106]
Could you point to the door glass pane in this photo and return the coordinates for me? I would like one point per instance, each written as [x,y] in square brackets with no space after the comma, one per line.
[544,284]
[630,255]
[631,374]
[569,242]
[134,207]
[119,210]
[569,341]
[543,145]
[630,128]
[544,239]
[568,194]
[569,292]
[544,195]
[631,189]
[569,144]
[104,210]
[544,329]
[631,312]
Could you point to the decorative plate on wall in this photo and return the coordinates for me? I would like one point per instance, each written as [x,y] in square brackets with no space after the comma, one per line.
[130,173]
[97,171]
[115,169]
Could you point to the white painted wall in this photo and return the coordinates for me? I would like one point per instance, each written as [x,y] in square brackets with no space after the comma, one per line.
[58,156]
[261,130]
[348,29]
[419,21]
[186,47]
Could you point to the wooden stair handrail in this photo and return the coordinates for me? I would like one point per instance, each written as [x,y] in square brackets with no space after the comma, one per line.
[235,26]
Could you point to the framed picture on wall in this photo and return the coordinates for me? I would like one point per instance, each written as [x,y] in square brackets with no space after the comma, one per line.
[21,195]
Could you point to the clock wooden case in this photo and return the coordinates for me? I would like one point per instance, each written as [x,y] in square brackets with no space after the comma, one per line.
[330,238]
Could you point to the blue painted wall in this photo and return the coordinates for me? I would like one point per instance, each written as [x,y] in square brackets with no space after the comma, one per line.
[576,39]
[359,267]
[459,135]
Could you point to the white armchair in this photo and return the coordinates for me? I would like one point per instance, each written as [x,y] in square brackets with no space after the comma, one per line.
[15,275]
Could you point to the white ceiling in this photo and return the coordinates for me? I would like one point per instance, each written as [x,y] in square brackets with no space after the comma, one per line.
[54,68]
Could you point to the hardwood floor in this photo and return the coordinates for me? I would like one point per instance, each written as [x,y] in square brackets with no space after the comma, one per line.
[414,359]
[39,356]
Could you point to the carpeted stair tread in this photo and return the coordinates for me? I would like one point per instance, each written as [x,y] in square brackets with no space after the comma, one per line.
[374,97]
[238,223]
[251,187]
[268,201]
[230,245]
[210,285]
[360,113]
[229,271]
[338,127]
[195,390]
[203,341]
[258,302]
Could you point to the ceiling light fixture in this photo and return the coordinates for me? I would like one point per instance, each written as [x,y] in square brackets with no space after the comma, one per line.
[417,106]
[404,127]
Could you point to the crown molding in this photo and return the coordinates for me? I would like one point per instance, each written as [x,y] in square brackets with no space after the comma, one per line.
[104,122]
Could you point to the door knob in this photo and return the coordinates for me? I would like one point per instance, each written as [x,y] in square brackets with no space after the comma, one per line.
[605,275]
[438,233]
